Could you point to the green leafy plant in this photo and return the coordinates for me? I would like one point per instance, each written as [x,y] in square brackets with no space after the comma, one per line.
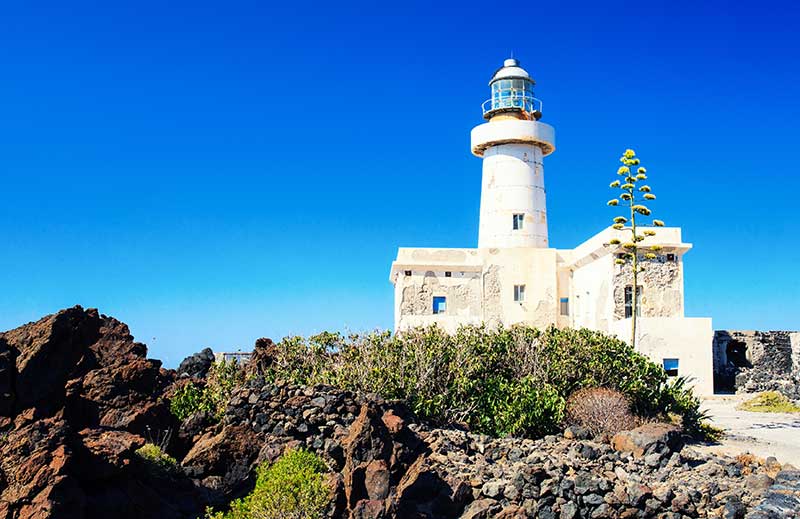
[223,378]
[769,402]
[189,399]
[292,488]
[630,252]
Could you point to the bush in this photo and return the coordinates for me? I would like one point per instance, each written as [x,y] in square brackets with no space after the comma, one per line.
[293,487]
[769,402]
[189,399]
[156,459]
[506,381]
[600,410]
[212,398]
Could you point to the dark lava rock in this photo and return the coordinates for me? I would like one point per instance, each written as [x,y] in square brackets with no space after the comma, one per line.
[197,365]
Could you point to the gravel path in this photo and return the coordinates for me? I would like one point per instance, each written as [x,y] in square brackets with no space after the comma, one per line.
[761,434]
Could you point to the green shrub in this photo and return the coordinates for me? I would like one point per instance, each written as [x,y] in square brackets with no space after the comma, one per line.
[293,487]
[497,381]
[769,402]
[189,399]
[212,398]
[156,459]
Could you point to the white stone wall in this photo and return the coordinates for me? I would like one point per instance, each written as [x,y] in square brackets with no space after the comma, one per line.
[686,339]
[591,294]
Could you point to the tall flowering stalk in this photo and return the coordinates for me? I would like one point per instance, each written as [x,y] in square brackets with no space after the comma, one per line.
[633,192]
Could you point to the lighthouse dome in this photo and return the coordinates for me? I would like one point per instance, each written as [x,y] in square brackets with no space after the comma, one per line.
[511,70]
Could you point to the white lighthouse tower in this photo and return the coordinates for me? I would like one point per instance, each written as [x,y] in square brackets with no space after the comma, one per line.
[512,144]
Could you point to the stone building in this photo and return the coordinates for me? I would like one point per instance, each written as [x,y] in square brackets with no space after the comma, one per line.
[514,276]
[748,361]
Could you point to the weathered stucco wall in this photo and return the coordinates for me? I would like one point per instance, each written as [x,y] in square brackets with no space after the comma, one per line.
[749,361]
[462,291]
[477,296]
[662,287]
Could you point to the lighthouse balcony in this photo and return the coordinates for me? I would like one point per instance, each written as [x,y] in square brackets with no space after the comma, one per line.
[522,102]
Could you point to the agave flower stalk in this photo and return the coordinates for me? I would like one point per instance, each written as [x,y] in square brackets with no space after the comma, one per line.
[635,253]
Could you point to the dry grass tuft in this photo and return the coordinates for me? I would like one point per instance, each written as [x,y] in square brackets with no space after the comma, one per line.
[601,410]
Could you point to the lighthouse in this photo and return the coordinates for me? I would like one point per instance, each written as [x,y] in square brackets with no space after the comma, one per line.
[512,143]
[515,277]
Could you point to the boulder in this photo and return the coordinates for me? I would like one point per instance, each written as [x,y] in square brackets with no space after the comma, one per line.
[652,438]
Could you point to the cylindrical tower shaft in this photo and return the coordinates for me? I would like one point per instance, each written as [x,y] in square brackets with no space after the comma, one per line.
[513,208]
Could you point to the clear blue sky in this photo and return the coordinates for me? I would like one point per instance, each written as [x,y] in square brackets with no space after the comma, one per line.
[211,173]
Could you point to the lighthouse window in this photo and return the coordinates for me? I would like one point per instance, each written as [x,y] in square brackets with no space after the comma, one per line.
[517,221]
[439,304]
[519,293]
[564,306]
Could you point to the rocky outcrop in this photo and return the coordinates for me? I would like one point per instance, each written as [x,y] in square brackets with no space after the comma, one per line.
[197,365]
[78,398]
[364,438]
[754,361]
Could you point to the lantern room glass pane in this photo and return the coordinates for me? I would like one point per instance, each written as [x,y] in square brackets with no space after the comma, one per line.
[513,93]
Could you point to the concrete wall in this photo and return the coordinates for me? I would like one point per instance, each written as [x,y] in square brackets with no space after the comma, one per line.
[533,267]
[686,339]
[591,295]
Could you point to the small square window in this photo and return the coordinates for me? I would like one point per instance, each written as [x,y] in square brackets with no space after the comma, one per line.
[519,293]
[671,367]
[670,257]
[407,272]
[448,274]
[564,306]
[439,304]
[518,221]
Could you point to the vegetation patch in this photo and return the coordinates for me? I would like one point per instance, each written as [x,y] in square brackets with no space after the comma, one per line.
[210,398]
[293,487]
[504,381]
[769,402]
[156,459]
